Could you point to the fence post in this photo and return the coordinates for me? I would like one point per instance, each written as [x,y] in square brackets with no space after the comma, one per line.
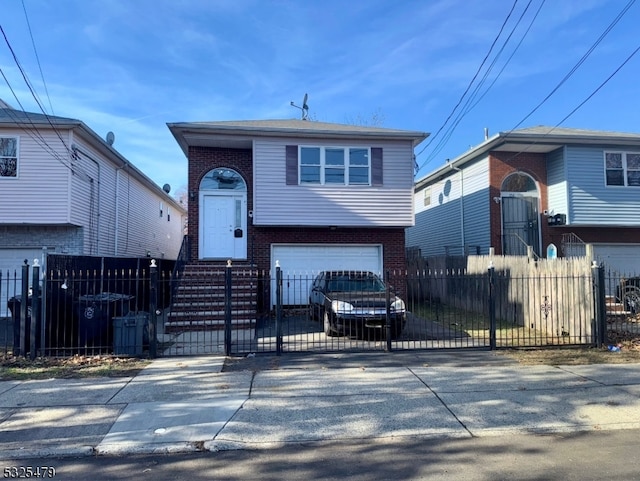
[153,307]
[278,309]
[35,309]
[492,309]
[388,309]
[599,297]
[227,309]
[23,309]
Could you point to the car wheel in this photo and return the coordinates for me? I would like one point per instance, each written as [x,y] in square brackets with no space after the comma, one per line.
[632,299]
[328,328]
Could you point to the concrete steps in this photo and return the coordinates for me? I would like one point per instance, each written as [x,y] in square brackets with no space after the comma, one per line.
[199,300]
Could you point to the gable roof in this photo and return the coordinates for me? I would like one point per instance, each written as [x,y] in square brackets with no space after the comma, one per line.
[240,134]
[539,139]
[31,121]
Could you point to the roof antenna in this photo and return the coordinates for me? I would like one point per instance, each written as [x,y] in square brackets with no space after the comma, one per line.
[304,108]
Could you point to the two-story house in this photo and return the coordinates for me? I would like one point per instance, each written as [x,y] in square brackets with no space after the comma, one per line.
[535,187]
[306,195]
[64,188]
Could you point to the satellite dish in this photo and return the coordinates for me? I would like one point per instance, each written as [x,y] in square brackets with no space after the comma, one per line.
[166,188]
[110,138]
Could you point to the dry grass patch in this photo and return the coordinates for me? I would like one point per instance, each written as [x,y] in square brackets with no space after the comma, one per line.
[569,356]
[19,368]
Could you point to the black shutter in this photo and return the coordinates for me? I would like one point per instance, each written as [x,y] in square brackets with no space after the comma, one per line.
[376,165]
[292,164]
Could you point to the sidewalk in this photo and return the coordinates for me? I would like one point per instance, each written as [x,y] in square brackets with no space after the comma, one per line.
[189,404]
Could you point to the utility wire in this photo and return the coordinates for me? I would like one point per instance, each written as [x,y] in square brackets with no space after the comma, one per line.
[433,137]
[569,74]
[35,51]
[589,97]
[468,107]
[578,64]
[35,97]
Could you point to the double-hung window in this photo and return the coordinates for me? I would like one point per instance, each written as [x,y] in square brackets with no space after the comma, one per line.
[622,168]
[8,156]
[335,165]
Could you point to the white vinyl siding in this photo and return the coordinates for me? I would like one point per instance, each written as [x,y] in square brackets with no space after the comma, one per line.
[276,203]
[591,201]
[39,195]
[68,203]
[135,227]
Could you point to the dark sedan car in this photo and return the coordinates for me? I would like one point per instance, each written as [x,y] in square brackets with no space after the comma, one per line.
[355,303]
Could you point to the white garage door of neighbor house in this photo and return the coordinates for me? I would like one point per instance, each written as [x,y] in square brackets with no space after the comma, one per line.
[11,262]
[300,263]
[620,259]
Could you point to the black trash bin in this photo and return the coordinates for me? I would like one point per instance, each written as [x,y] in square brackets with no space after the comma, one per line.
[95,312]
[15,304]
[129,334]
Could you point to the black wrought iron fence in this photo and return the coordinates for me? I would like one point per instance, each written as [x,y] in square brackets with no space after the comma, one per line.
[229,310]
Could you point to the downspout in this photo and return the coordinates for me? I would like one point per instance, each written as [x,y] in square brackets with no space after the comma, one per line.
[461,207]
[117,200]
[77,149]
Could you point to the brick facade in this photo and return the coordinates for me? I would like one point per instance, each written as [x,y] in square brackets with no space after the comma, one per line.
[260,238]
[59,239]
[501,165]
[201,161]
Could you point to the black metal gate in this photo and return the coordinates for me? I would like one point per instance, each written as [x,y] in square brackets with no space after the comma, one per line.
[441,310]
[151,312]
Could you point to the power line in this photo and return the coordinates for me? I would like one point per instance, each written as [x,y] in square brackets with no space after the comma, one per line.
[433,137]
[579,63]
[34,133]
[467,107]
[589,97]
[35,51]
[35,97]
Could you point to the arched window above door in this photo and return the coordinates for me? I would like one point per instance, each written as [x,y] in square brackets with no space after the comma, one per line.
[519,182]
[223,179]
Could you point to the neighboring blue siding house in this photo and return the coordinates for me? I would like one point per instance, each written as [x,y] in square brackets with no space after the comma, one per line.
[533,187]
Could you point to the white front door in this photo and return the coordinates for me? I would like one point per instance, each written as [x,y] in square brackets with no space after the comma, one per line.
[223,226]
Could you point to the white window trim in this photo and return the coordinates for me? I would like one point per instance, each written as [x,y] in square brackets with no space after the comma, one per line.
[17,138]
[624,168]
[427,196]
[324,166]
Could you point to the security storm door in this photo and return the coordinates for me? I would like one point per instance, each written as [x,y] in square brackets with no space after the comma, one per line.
[520,225]
[223,216]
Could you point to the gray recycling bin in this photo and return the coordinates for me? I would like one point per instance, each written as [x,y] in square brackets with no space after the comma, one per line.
[128,334]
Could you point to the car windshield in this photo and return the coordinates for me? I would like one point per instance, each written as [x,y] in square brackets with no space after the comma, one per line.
[355,284]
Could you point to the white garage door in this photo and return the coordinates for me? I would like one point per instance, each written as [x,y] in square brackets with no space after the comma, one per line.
[300,263]
[11,262]
[620,259]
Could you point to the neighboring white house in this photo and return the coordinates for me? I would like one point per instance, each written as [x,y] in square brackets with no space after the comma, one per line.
[64,188]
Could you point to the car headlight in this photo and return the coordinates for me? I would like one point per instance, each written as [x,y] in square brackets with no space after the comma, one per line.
[341,307]
[397,305]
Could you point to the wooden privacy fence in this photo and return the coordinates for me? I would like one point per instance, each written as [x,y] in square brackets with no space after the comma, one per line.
[552,296]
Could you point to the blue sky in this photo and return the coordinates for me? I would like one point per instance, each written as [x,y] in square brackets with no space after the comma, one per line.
[131,66]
